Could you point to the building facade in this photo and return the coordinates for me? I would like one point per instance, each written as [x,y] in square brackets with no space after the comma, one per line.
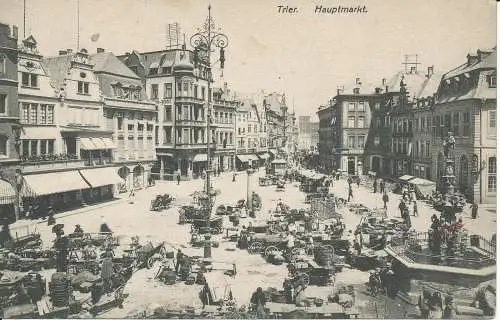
[466,107]
[276,118]
[292,133]
[62,137]
[248,126]
[344,127]
[129,116]
[224,106]
[9,123]
[177,80]
[308,133]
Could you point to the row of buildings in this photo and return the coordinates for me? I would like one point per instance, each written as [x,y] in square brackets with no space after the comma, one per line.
[397,127]
[79,127]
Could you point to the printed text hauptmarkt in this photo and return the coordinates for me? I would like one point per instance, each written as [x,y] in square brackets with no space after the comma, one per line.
[319,9]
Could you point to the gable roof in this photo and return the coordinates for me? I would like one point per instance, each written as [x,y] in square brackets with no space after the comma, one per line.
[489,62]
[58,68]
[107,62]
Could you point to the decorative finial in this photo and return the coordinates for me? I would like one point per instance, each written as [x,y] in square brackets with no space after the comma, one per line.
[209,7]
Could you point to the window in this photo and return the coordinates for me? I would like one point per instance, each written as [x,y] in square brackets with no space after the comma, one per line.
[492,174]
[361,122]
[493,119]
[153,71]
[3,102]
[428,124]
[249,128]
[351,141]
[466,124]
[255,128]
[350,123]
[376,141]
[361,141]
[351,106]
[130,127]
[43,114]
[83,87]
[185,112]
[456,121]
[185,87]
[154,91]
[447,125]
[492,81]
[3,146]
[361,106]
[378,123]
[216,117]
[50,146]
[25,113]
[43,146]
[2,64]
[33,114]
[377,106]
[168,91]
[417,124]
[140,127]
[203,93]
[168,113]
[120,123]
[34,144]
[29,80]
[195,88]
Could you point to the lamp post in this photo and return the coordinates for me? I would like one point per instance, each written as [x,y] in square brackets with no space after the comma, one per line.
[204,41]
[16,131]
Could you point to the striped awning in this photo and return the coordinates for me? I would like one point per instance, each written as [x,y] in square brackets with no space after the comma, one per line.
[54,182]
[7,193]
[99,177]
[96,143]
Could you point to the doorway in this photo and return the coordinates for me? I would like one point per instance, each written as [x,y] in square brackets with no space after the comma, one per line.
[351,166]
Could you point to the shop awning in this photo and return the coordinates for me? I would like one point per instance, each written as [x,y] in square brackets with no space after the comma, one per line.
[55,182]
[406,177]
[264,156]
[247,157]
[7,193]
[273,152]
[99,177]
[99,143]
[108,143]
[87,144]
[242,157]
[202,157]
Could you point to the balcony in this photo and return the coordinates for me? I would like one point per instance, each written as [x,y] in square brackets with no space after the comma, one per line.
[50,162]
[223,103]
[182,99]
[191,122]
[130,104]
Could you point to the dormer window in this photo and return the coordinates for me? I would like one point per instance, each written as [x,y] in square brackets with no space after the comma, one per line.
[153,71]
[83,87]
[166,70]
[492,81]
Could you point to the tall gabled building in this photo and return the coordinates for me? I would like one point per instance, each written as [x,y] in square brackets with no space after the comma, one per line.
[130,116]
[466,106]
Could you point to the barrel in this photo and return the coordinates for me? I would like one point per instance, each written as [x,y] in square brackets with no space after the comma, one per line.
[60,289]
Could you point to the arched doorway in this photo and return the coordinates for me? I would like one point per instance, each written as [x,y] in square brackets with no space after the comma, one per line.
[463,178]
[138,177]
[376,164]
[124,173]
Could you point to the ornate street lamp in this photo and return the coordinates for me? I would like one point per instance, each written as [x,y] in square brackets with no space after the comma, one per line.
[204,42]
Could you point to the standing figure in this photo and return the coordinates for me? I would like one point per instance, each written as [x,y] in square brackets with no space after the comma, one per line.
[475,208]
[375,184]
[381,186]
[350,195]
[385,199]
[178,178]
[51,220]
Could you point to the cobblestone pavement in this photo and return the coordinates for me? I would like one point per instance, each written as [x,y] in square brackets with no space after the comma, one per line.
[131,219]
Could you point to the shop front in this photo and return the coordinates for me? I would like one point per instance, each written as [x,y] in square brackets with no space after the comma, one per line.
[8,200]
[103,184]
[59,191]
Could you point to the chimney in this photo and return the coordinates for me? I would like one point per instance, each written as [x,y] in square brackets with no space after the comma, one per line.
[62,52]
[383,81]
[481,55]
[225,87]
[471,59]
[413,69]
[357,80]
[15,32]
[100,50]
[430,71]
[69,51]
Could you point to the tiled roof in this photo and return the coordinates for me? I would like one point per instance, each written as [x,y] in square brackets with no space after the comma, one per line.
[58,68]
[106,81]
[489,62]
[107,62]
[430,86]
[414,82]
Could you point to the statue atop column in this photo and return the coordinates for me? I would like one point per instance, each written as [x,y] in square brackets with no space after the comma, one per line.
[448,145]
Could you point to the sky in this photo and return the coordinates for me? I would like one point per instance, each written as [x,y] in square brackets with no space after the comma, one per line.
[305,55]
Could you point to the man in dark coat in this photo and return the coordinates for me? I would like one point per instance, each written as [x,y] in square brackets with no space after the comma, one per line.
[475,209]
[375,184]
[178,179]
[178,259]
[385,198]
[258,300]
